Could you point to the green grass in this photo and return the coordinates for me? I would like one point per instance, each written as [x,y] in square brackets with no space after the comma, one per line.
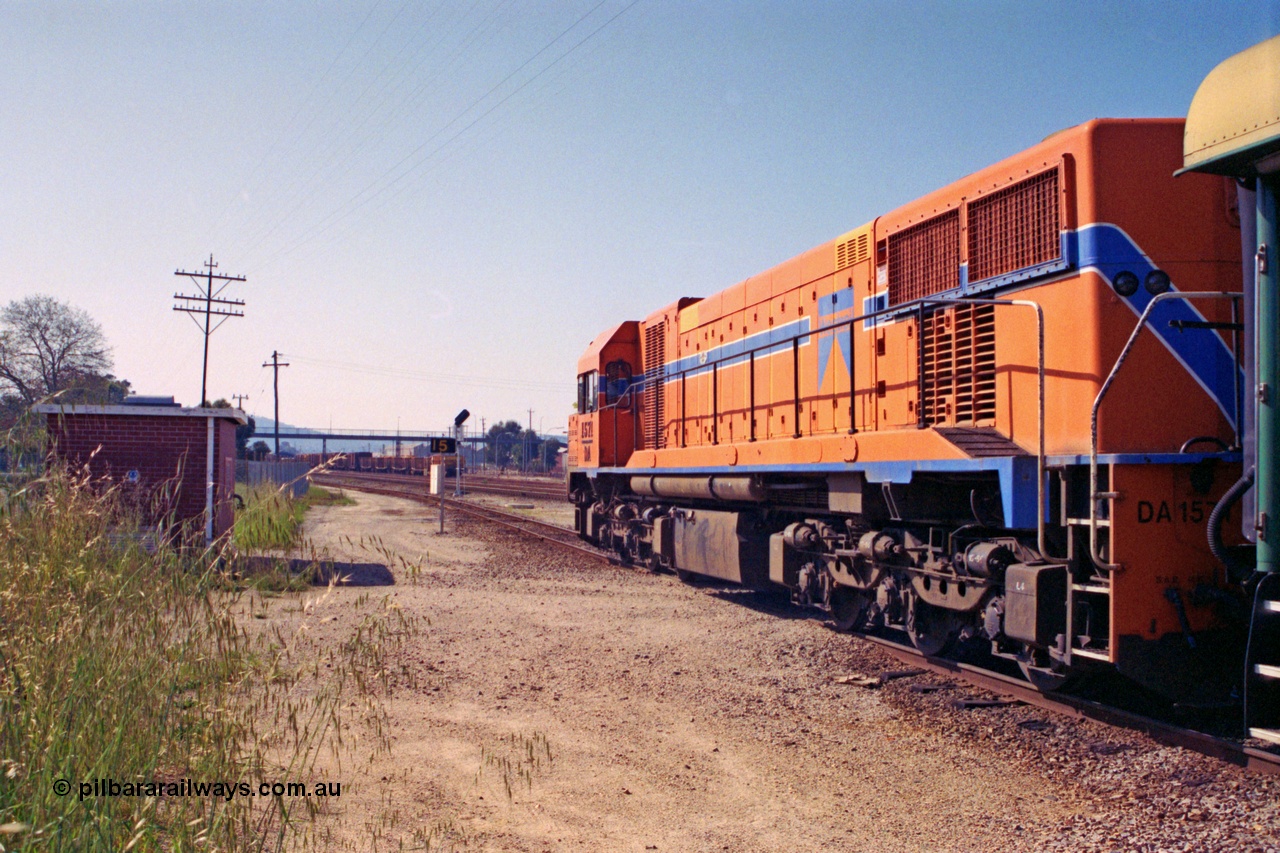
[272,520]
[123,659]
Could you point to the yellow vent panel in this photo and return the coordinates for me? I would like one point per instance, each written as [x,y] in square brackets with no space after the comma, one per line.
[853,248]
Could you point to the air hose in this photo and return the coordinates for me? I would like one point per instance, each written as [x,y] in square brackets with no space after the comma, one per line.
[1234,568]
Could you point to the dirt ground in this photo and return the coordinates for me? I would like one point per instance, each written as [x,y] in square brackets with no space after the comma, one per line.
[556,703]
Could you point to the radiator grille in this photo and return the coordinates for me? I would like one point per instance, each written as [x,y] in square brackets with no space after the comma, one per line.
[654,420]
[1014,228]
[853,251]
[960,367]
[925,258]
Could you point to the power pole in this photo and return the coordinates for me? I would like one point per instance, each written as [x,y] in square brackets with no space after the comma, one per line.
[240,398]
[191,305]
[275,364]
[528,440]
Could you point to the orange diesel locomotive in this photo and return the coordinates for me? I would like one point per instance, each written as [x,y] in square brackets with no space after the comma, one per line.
[1004,414]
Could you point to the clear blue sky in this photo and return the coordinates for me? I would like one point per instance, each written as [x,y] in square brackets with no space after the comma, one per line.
[438,204]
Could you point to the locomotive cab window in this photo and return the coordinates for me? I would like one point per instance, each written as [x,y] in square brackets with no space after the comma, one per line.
[588,384]
[617,379]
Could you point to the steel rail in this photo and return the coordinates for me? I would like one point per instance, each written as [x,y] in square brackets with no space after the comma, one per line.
[1231,752]
[1228,751]
[547,532]
[474,483]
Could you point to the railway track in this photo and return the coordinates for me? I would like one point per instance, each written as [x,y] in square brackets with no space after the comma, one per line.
[552,490]
[1014,689]
[414,488]
[1233,752]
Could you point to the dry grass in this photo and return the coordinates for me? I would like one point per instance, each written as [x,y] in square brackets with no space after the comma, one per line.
[122,659]
[517,758]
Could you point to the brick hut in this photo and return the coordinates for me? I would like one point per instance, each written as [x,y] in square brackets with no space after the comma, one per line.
[149,443]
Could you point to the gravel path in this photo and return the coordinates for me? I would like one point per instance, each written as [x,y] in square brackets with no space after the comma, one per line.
[553,703]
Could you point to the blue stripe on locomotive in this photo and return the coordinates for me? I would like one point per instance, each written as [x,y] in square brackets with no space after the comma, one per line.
[1016,474]
[1102,247]
[1108,250]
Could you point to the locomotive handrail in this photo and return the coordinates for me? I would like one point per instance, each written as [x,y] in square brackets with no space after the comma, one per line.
[916,305]
[1040,444]
[1094,495]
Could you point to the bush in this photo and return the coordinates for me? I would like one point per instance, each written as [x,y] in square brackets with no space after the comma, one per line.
[272,520]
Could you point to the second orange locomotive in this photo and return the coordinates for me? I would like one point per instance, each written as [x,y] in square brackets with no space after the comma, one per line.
[1002,413]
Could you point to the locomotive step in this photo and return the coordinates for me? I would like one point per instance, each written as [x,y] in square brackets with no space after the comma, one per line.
[1267,670]
[1272,735]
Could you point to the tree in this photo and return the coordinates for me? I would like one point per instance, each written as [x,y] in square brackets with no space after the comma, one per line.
[259,450]
[244,432]
[509,444]
[502,444]
[549,452]
[102,389]
[47,346]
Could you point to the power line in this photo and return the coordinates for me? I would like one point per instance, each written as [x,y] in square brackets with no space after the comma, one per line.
[485,137]
[373,191]
[249,182]
[327,146]
[451,378]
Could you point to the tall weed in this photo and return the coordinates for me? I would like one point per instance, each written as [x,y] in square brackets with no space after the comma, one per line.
[121,658]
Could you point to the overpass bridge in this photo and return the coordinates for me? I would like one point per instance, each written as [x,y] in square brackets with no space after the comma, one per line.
[385,437]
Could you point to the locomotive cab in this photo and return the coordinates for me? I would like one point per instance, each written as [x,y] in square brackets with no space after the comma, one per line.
[602,431]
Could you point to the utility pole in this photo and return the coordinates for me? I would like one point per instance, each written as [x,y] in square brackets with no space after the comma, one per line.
[240,398]
[484,462]
[528,440]
[275,364]
[191,305]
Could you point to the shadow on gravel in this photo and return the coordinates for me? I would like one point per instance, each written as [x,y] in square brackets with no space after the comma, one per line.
[353,574]
[776,604]
[319,572]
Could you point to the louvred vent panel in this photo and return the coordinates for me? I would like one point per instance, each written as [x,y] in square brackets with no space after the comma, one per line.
[654,420]
[925,258]
[960,367]
[1015,228]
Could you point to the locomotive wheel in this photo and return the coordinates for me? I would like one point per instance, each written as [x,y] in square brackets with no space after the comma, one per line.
[848,608]
[932,629]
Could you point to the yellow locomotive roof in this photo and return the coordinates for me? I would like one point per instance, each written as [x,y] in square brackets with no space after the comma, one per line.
[1234,118]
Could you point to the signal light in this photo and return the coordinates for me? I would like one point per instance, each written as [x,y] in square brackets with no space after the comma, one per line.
[1125,283]
[1157,282]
